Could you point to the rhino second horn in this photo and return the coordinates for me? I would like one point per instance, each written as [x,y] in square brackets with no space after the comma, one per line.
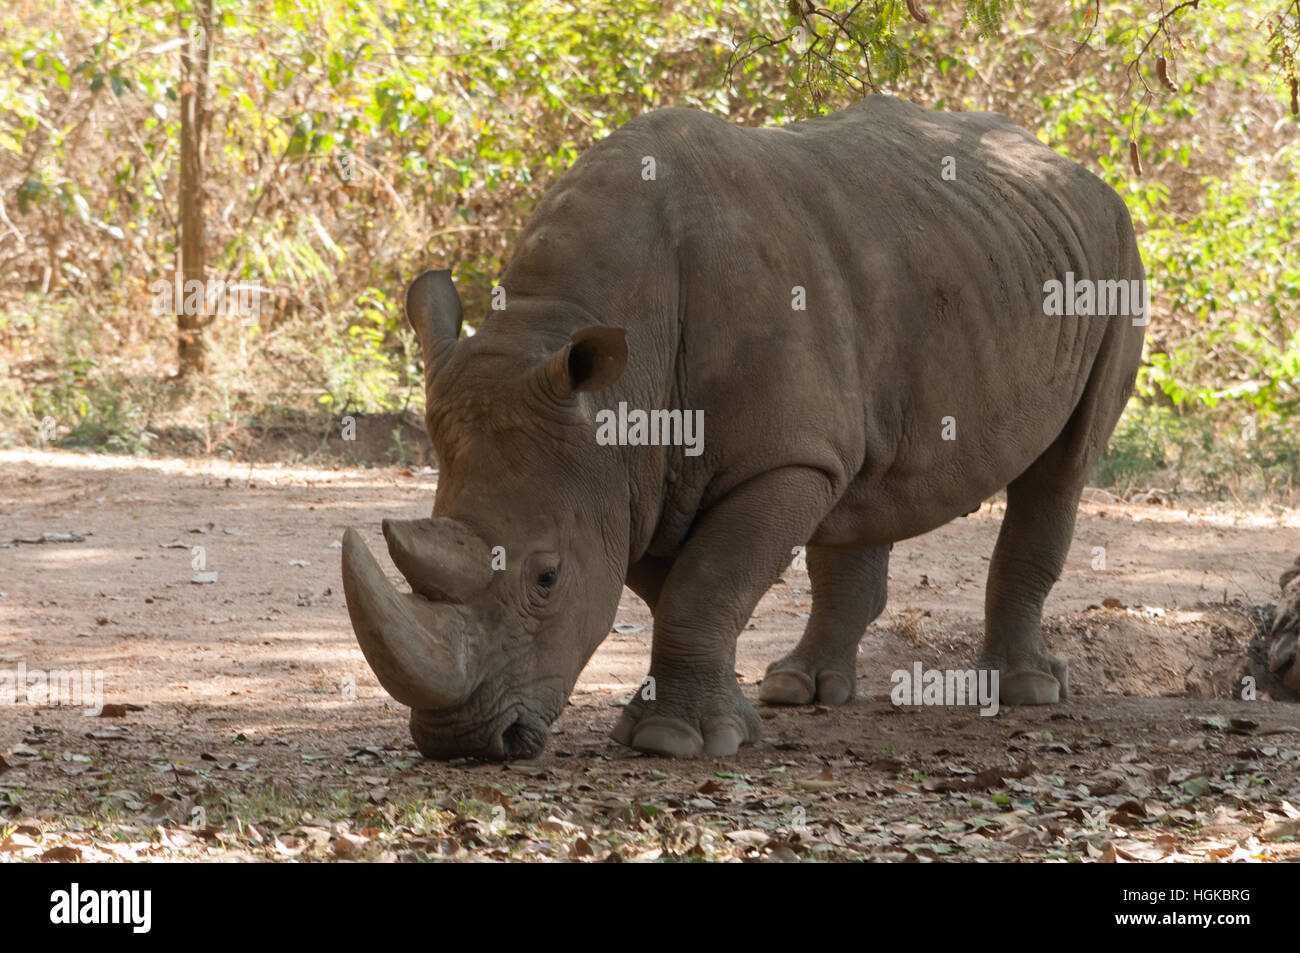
[442,559]
[434,311]
[419,650]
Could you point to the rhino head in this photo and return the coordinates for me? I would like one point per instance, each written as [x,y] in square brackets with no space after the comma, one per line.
[516,577]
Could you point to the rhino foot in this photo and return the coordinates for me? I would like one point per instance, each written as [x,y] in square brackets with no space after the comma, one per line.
[1021,685]
[799,681]
[715,729]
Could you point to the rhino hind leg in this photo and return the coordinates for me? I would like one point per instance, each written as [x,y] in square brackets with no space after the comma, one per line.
[1042,504]
[691,705]
[848,592]
[1027,561]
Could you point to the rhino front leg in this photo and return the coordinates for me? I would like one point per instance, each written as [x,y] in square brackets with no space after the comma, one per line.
[848,592]
[1027,561]
[646,578]
[691,704]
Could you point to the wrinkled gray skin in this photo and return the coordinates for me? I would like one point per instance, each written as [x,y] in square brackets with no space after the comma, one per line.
[822,426]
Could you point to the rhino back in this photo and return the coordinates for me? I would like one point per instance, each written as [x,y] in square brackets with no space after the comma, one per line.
[923,296]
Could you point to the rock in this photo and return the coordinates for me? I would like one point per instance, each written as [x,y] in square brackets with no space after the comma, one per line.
[1285,634]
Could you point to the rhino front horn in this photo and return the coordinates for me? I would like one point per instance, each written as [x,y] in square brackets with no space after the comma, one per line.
[419,650]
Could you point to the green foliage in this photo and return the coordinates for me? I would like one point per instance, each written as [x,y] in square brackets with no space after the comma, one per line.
[1233,274]
[361,373]
[353,143]
[1220,455]
[1143,447]
[105,419]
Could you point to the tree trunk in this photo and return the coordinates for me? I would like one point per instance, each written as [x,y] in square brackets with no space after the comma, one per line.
[196,57]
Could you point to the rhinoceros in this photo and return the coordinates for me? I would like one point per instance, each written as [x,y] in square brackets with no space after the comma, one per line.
[856,308]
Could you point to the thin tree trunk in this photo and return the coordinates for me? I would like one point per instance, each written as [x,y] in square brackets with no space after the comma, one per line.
[196,57]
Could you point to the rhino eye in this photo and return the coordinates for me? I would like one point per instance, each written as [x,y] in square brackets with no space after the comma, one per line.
[546,579]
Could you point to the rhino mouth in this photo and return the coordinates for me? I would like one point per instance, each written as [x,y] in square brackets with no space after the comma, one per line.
[525,738]
[518,734]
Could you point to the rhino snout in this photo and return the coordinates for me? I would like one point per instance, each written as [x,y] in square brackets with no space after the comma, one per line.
[425,646]
[515,735]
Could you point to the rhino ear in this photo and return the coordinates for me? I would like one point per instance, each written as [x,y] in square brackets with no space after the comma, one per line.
[433,308]
[593,359]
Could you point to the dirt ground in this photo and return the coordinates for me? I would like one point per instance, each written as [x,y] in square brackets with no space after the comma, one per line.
[253,728]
